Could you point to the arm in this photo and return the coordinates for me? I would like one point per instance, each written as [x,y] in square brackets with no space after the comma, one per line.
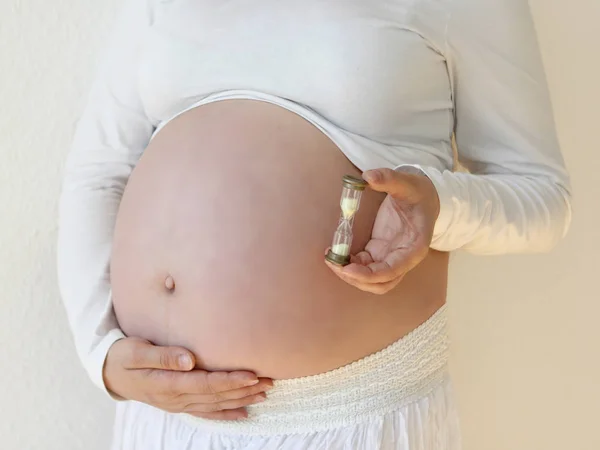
[110,137]
[516,197]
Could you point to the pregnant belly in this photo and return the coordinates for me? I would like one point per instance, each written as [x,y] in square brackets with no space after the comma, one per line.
[219,247]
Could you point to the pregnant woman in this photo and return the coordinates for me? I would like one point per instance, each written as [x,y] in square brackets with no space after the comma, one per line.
[202,193]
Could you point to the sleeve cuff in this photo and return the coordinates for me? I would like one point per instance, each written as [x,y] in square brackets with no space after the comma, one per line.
[97,358]
[447,206]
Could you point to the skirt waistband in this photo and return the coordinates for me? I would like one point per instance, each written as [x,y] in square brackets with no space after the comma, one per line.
[401,373]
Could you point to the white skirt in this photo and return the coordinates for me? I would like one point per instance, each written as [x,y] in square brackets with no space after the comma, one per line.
[397,399]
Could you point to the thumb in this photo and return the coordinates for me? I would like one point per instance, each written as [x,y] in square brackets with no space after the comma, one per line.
[388,181]
[150,356]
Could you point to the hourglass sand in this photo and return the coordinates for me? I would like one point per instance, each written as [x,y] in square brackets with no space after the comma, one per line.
[352,189]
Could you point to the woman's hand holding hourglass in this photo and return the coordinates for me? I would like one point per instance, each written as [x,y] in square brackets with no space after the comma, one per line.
[401,234]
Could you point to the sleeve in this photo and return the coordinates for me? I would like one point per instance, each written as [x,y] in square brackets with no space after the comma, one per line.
[516,195]
[109,138]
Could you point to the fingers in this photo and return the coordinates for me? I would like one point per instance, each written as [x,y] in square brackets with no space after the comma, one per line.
[374,272]
[264,385]
[224,406]
[379,277]
[362,258]
[234,394]
[211,383]
[171,392]
[384,271]
[232,414]
[144,355]
[395,263]
[373,288]
[388,181]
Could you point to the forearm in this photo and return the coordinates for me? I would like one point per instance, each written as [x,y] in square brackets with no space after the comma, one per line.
[85,232]
[110,137]
[497,214]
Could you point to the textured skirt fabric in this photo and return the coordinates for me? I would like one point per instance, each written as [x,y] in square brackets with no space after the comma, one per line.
[397,399]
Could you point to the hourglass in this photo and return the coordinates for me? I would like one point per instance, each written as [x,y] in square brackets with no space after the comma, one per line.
[352,189]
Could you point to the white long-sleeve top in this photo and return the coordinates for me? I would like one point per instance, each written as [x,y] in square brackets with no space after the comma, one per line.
[389,81]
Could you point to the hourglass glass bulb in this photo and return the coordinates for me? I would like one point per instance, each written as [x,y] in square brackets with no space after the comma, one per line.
[352,188]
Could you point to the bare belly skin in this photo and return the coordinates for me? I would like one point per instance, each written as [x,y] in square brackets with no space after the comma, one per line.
[219,247]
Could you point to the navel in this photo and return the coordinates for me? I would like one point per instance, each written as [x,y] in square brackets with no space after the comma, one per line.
[169,283]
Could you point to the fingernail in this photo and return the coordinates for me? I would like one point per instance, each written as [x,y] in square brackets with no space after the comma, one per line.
[185,361]
[372,176]
[260,398]
[251,382]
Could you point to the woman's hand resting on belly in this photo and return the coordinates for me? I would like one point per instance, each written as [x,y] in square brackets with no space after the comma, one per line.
[401,234]
[165,378]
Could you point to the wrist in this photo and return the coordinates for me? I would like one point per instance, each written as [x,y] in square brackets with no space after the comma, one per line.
[445,212]
[108,377]
[427,192]
[431,196]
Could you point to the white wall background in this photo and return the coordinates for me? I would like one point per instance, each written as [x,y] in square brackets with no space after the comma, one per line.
[525,330]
